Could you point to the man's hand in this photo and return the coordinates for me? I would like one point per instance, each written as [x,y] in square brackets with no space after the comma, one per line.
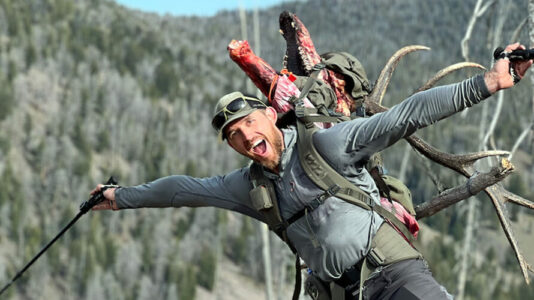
[499,76]
[107,204]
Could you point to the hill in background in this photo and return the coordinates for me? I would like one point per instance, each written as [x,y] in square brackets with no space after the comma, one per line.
[90,88]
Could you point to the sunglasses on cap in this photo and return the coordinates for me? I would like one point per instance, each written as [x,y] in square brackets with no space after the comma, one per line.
[234,107]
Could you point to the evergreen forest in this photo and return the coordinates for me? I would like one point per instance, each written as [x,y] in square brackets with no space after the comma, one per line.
[90,89]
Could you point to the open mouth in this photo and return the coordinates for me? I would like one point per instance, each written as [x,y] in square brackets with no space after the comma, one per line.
[259,147]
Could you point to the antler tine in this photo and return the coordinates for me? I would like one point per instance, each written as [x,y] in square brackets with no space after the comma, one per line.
[496,193]
[446,71]
[516,199]
[489,182]
[462,164]
[372,107]
[475,184]
[385,76]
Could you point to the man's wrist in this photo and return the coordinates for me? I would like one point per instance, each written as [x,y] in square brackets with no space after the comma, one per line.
[110,196]
[481,86]
[491,79]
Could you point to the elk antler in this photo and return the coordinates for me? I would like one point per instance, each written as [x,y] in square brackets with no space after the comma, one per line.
[382,82]
[446,71]
[300,58]
[463,164]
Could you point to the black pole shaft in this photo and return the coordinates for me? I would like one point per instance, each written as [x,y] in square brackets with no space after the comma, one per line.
[43,251]
[84,208]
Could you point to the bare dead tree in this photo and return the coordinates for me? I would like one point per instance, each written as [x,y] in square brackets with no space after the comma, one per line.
[480,9]
[466,249]
[495,37]
[264,230]
[262,227]
[520,139]
[256,21]
[243,22]
[496,42]
[469,229]
[485,138]
[266,254]
[528,127]
[517,31]
[244,33]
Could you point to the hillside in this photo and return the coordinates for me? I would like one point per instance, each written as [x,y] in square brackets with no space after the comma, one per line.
[92,89]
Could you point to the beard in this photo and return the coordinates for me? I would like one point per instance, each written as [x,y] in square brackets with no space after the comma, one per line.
[272,164]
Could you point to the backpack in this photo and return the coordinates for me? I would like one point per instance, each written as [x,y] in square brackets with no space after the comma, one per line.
[356,82]
[352,70]
[324,100]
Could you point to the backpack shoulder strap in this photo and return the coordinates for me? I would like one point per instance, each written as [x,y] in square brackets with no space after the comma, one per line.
[329,180]
[265,202]
[263,197]
[322,174]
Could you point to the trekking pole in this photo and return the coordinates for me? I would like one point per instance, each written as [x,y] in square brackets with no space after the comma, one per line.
[84,208]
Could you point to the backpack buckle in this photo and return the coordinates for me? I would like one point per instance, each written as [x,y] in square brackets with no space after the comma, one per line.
[360,111]
[319,66]
[293,100]
[331,191]
[333,113]
[369,201]
[299,111]
[375,257]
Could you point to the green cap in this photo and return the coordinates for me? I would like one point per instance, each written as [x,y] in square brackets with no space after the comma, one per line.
[231,107]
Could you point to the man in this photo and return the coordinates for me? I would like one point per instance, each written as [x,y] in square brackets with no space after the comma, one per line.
[336,236]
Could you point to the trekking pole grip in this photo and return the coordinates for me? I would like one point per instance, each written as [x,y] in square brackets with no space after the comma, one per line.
[98,197]
[515,55]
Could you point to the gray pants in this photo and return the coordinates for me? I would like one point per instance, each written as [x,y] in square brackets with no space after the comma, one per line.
[405,280]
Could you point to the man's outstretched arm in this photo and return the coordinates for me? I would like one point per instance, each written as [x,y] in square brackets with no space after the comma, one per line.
[365,136]
[229,192]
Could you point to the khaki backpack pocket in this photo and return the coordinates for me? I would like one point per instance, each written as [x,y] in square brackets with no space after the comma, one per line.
[260,198]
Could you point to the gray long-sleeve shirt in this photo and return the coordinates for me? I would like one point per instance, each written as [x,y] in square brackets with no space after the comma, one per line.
[337,234]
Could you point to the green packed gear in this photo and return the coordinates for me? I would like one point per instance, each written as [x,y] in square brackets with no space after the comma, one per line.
[321,95]
[356,82]
[399,192]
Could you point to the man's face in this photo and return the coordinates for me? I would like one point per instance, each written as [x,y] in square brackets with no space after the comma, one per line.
[257,137]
